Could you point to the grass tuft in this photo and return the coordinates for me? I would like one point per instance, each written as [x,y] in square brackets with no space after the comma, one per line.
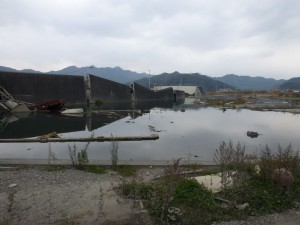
[96,169]
[126,170]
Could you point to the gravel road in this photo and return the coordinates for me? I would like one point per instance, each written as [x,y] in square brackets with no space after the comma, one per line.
[68,196]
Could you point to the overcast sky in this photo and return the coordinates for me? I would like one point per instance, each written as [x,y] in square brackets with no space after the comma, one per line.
[212,37]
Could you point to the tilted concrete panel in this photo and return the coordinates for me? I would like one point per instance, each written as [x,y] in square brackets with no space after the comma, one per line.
[142,94]
[165,94]
[107,90]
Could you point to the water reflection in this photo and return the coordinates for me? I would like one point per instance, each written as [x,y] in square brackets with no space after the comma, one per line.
[185,131]
[31,125]
[25,125]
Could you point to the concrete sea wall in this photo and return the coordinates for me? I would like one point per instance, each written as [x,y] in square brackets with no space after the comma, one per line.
[38,88]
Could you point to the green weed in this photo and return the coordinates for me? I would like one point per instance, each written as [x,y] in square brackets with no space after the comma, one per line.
[126,170]
[99,102]
[260,191]
[178,199]
[52,168]
[189,192]
[114,152]
[79,159]
[95,169]
[133,189]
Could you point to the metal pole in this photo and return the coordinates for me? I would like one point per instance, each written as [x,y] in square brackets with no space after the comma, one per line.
[149,80]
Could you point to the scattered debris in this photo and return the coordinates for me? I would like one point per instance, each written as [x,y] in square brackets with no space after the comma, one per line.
[12,185]
[153,129]
[73,111]
[227,204]
[252,134]
[223,109]
[51,135]
[174,213]
[8,103]
[242,206]
[54,105]
[21,108]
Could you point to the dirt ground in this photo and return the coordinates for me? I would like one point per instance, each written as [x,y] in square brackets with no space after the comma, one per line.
[68,196]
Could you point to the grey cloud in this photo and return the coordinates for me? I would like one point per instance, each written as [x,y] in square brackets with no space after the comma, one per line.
[213,37]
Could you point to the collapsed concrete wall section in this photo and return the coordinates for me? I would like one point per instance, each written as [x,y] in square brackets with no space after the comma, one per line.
[141,93]
[106,90]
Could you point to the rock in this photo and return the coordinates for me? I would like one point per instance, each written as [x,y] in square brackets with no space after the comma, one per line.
[242,206]
[296,204]
[172,217]
[12,185]
[225,206]
[283,177]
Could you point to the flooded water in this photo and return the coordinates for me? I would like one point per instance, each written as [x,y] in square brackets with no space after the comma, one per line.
[186,131]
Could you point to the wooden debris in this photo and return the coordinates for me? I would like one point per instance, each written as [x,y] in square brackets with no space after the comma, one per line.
[88,139]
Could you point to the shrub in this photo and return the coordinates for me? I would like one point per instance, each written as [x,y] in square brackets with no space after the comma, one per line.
[259,190]
[191,193]
[281,158]
[114,152]
[79,159]
[135,190]
[125,170]
[232,162]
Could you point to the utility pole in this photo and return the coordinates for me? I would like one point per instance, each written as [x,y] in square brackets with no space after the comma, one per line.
[149,80]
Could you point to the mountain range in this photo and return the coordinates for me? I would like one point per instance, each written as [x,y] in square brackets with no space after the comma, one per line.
[250,83]
[181,79]
[116,74]
[120,75]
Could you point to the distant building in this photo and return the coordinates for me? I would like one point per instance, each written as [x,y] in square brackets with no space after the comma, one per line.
[191,90]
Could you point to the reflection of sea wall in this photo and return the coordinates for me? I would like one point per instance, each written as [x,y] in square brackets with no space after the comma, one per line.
[140,105]
[36,125]
[33,125]
[37,88]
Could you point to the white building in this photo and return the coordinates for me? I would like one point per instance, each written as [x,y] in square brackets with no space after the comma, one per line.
[187,89]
